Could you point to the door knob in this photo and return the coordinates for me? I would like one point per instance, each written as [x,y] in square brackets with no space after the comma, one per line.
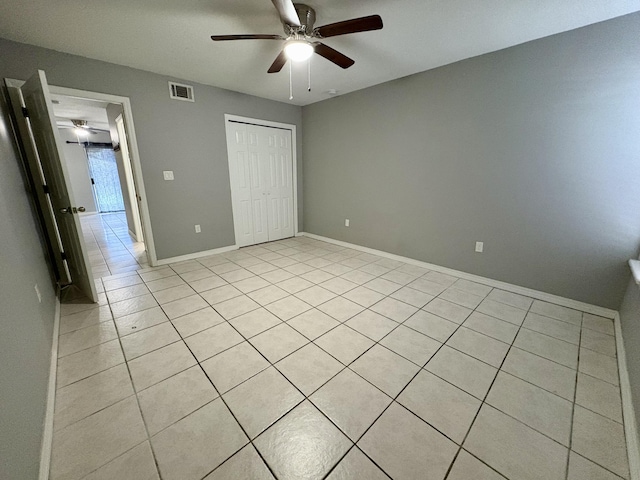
[72,210]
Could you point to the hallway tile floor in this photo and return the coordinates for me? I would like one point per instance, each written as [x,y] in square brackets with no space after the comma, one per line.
[111,249]
[299,359]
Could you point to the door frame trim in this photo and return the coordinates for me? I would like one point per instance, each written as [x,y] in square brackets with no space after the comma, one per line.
[294,160]
[131,183]
[134,156]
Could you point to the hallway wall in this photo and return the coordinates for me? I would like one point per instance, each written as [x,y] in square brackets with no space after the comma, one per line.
[26,325]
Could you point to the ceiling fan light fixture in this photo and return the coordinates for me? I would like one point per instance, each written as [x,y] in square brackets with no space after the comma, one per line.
[298,50]
[83,132]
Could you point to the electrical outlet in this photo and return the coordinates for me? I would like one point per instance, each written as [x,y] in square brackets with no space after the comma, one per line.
[198,230]
[167,174]
[479,247]
[38,293]
[346,222]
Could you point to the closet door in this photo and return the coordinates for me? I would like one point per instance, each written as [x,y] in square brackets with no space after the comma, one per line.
[261,175]
[256,148]
[240,177]
[278,168]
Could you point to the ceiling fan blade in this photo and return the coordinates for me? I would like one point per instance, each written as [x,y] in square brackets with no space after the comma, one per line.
[333,55]
[278,63]
[363,24]
[287,12]
[218,38]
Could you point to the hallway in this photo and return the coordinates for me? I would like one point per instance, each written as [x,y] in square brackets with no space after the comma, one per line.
[111,248]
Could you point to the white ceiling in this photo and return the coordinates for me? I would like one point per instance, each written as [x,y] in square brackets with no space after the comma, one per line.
[172,37]
[70,108]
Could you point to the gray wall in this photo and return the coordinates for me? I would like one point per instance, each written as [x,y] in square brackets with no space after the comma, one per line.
[533,150]
[630,323]
[188,138]
[26,326]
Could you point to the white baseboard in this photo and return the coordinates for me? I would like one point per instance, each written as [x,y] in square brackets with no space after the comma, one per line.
[47,434]
[628,412]
[529,292]
[133,235]
[194,256]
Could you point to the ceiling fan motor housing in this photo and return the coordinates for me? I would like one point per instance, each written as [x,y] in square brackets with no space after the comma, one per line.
[307,16]
[79,123]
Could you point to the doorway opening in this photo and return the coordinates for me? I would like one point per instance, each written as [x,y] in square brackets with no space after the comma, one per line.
[50,171]
[96,148]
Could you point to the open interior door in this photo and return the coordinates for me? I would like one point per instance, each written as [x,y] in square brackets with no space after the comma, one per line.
[46,141]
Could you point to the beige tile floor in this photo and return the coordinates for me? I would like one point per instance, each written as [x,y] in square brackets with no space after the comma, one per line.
[300,359]
[111,248]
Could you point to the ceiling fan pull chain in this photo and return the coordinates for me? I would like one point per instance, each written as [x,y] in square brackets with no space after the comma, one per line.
[290,81]
[309,73]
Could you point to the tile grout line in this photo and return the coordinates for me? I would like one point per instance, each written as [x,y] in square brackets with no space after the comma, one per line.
[387,296]
[296,387]
[230,412]
[155,460]
[104,224]
[445,341]
[394,399]
[573,404]
[340,323]
[212,384]
[483,402]
[135,392]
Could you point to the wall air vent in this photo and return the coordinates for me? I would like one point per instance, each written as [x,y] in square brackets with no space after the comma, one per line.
[179,91]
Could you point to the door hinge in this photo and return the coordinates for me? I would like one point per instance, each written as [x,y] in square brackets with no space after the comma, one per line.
[25,112]
[93,182]
[63,255]
[46,189]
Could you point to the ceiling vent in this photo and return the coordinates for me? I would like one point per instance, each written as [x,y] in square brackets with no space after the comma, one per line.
[179,91]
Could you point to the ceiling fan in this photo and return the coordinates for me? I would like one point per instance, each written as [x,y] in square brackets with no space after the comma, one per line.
[301,39]
[81,127]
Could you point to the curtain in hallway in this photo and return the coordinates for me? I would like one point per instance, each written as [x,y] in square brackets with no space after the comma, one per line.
[104,171]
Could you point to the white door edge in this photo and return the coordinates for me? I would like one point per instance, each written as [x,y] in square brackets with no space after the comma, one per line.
[134,156]
[294,159]
[131,184]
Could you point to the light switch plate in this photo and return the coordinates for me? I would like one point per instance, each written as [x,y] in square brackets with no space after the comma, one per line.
[167,174]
